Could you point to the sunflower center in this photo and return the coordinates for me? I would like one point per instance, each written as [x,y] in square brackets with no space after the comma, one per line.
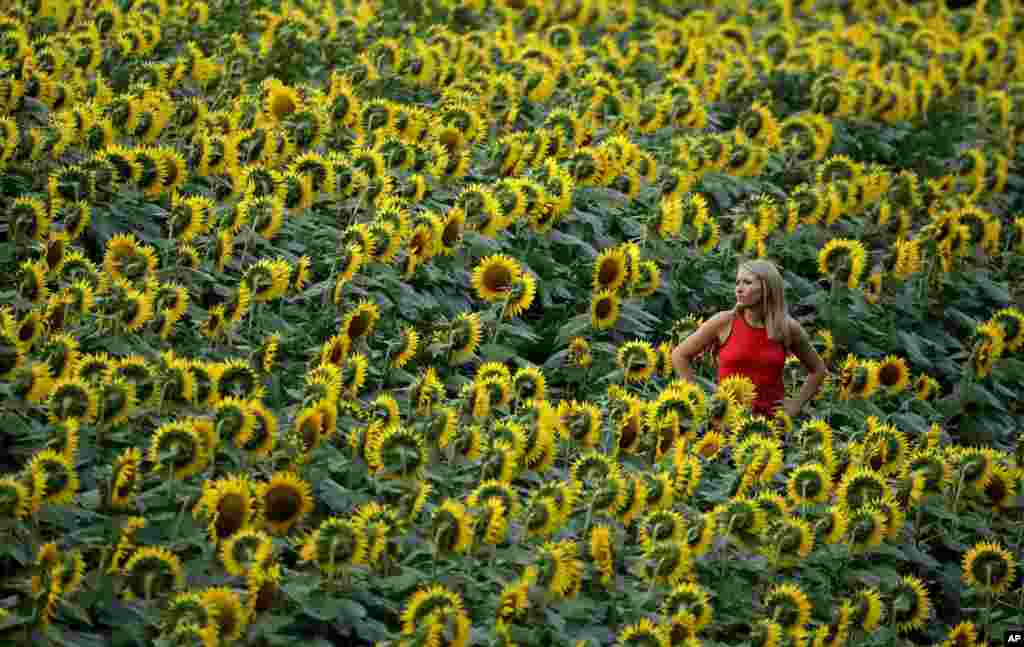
[282,504]
[231,514]
[498,278]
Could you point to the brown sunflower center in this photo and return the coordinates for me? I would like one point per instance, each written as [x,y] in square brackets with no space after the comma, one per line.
[497,278]
[282,504]
[231,513]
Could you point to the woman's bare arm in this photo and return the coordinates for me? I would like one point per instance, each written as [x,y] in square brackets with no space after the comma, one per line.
[816,369]
[698,340]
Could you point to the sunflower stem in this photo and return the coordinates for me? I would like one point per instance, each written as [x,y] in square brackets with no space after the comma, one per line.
[989,595]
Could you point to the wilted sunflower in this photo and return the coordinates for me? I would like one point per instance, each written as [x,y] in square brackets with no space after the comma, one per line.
[286,500]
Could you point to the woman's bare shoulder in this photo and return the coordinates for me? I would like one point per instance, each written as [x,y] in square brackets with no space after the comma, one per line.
[721,318]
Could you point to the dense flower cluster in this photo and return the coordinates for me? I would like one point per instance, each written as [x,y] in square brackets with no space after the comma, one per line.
[238,282]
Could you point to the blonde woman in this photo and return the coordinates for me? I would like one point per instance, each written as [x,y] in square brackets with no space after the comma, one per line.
[754,338]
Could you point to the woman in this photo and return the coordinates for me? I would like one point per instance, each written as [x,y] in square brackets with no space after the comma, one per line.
[754,339]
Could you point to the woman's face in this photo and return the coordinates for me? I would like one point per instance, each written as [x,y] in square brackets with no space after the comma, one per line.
[749,289]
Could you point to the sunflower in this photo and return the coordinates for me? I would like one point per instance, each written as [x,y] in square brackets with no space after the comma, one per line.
[637,360]
[1011,320]
[268,279]
[73,399]
[866,527]
[809,483]
[286,501]
[989,567]
[15,500]
[262,437]
[179,449]
[910,604]
[610,270]
[844,259]
[336,543]
[246,550]
[126,258]
[990,342]
[360,322]
[578,353]
[604,309]
[494,278]
[124,480]
[229,505]
[743,519]
[152,572]
[438,607]
[56,473]
[860,486]
[29,218]
[466,332]
[789,606]
[230,616]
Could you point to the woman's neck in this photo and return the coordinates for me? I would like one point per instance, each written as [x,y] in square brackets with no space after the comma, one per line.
[753,315]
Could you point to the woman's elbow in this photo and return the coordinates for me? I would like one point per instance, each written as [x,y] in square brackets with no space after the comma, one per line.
[679,355]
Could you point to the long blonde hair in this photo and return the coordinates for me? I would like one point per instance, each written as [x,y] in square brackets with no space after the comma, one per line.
[773,299]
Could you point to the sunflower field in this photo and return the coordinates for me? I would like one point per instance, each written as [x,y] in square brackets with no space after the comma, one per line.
[349,322]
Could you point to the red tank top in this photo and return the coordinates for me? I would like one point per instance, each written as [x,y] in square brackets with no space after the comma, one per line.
[750,353]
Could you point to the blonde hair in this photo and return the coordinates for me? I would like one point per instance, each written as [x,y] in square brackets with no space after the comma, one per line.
[773,298]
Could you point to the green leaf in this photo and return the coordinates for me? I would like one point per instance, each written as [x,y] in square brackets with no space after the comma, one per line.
[336,497]
[912,344]
[496,353]
[573,241]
